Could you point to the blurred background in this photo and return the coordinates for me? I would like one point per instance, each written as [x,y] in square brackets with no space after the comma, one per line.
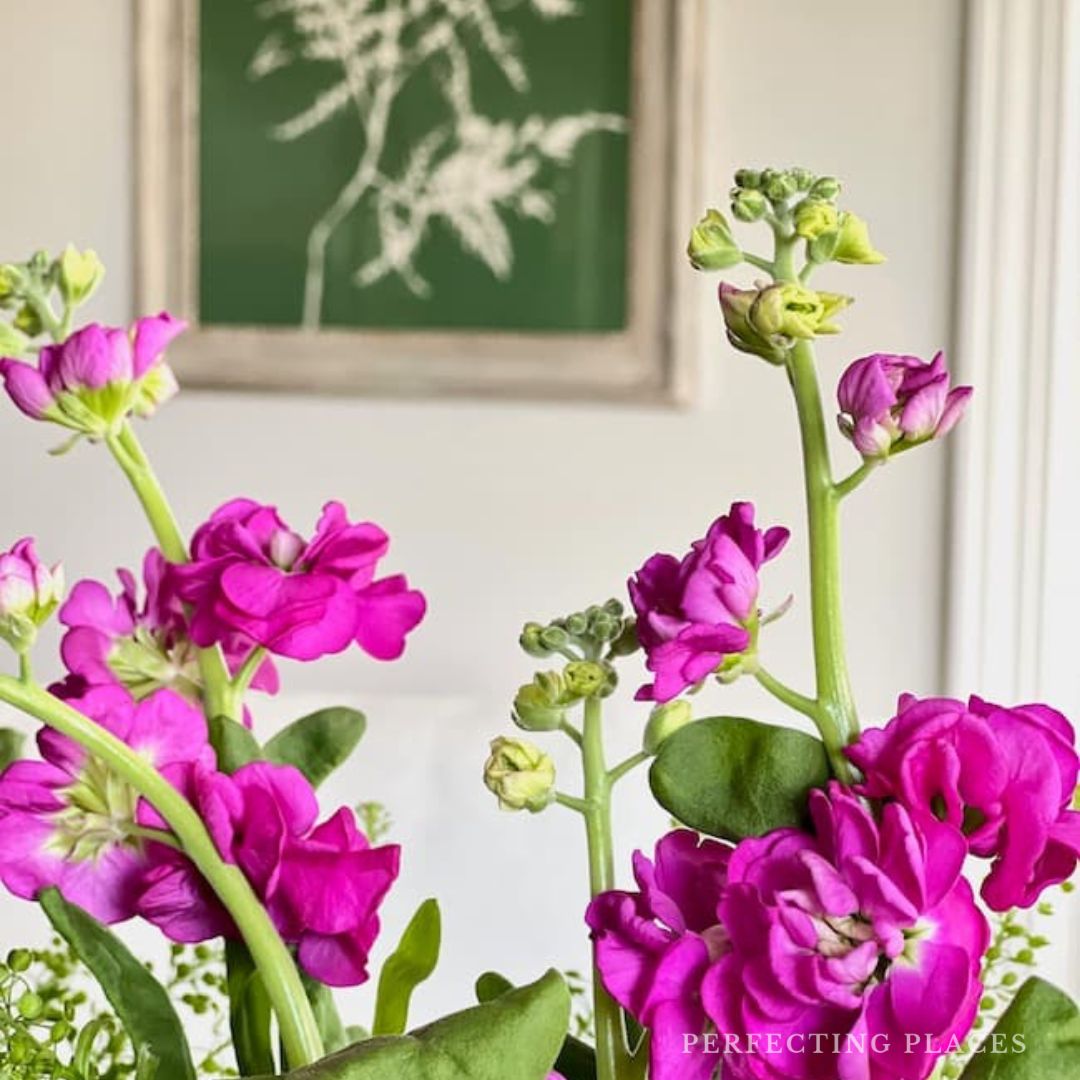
[958,571]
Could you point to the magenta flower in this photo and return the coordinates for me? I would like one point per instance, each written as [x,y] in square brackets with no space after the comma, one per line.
[654,946]
[251,574]
[1006,777]
[142,646]
[69,821]
[693,613]
[854,954]
[29,593]
[96,378]
[885,400]
[321,884]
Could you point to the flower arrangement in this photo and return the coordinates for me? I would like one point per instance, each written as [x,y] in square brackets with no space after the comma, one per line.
[833,904]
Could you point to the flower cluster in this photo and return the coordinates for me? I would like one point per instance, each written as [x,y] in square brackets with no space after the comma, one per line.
[697,613]
[805,954]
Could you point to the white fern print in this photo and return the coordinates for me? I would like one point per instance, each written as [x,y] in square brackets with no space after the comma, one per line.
[469,171]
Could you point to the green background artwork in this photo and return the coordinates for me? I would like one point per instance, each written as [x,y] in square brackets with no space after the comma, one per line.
[473,216]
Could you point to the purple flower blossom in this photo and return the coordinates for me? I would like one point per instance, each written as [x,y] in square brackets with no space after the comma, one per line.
[695,612]
[843,944]
[96,378]
[251,574]
[69,821]
[142,646]
[322,884]
[654,946]
[886,399]
[1005,776]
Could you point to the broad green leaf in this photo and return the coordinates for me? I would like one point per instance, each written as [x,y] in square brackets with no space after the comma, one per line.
[733,778]
[1037,1038]
[317,744]
[406,968]
[138,999]
[234,744]
[515,1037]
[334,1034]
[11,743]
[576,1060]
[249,1011]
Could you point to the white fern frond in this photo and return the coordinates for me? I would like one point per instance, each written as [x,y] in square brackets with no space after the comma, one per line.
[558,140]
[271,55]
[555,9]
[327,104]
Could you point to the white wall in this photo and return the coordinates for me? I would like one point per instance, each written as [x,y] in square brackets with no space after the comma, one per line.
[488,514]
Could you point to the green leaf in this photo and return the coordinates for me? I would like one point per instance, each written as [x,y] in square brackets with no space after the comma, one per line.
[234,743]
[249,1011]
[516,1036]
[11,743]
[317,744]
[1037,1038]
[733,778]
[334,1034]
[409,965]
[137,998]
[576,1060]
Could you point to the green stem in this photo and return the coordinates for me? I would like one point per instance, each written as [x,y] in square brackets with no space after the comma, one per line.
[792,698]
[132,459]
[612,1057]
[631,763]
[759,262]
[837,721]
[299,1031]
[26,668]
[846,486]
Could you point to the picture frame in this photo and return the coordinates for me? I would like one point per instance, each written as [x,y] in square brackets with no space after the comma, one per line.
[651,359]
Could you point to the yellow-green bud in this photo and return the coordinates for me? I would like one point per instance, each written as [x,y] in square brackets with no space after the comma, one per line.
[747,205]
[813,218]
[664,721]
[712,247]
[28,321]
[530,640]
[541,704]
[826,187]
[804,178]
[777,185]
[854,245]
[80,274]
[520,775]
[12,342]
[11,280]
[748,178]
[794,311]
[587,678]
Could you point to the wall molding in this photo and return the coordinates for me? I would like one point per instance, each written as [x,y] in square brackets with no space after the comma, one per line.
[1015,527]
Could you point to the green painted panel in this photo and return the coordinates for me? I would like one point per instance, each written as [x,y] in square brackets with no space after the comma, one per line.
[479,205]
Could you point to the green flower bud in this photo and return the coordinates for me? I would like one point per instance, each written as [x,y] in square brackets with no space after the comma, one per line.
[777,185]
[804,178]
[554,638]
[30,1005]
[854,245]
[12,342]
[520,775]
[813,218]
[664,721]
[541,704]
[712,247]
[19,960]
[11,282]
[530,640]
[587,678]
[768,321]
[577,624]
[626,644]
[748,206]
[80,273]
[28,321]
[748,178]
[614,608]
[825,187]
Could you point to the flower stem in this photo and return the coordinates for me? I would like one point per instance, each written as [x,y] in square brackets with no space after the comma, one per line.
[837,721]
[299,1031]
[792,698]
[850,482]
[132,459]
[631,763]
[612,1057]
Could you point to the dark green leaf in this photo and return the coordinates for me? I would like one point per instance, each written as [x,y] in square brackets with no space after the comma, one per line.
[235,745]
[576,1061]
[137,998]
[249,1012]
[733,778]
[515,1037]
[1037,1038]
[410,964]
[11,743]
[319,743]
[334,1035]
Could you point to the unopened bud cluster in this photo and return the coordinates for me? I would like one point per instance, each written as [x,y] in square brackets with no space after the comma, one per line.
[583,635]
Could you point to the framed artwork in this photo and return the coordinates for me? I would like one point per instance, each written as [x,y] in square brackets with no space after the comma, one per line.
[420,196]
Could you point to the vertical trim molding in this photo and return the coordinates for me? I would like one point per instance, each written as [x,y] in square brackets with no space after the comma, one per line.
[1015,528]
